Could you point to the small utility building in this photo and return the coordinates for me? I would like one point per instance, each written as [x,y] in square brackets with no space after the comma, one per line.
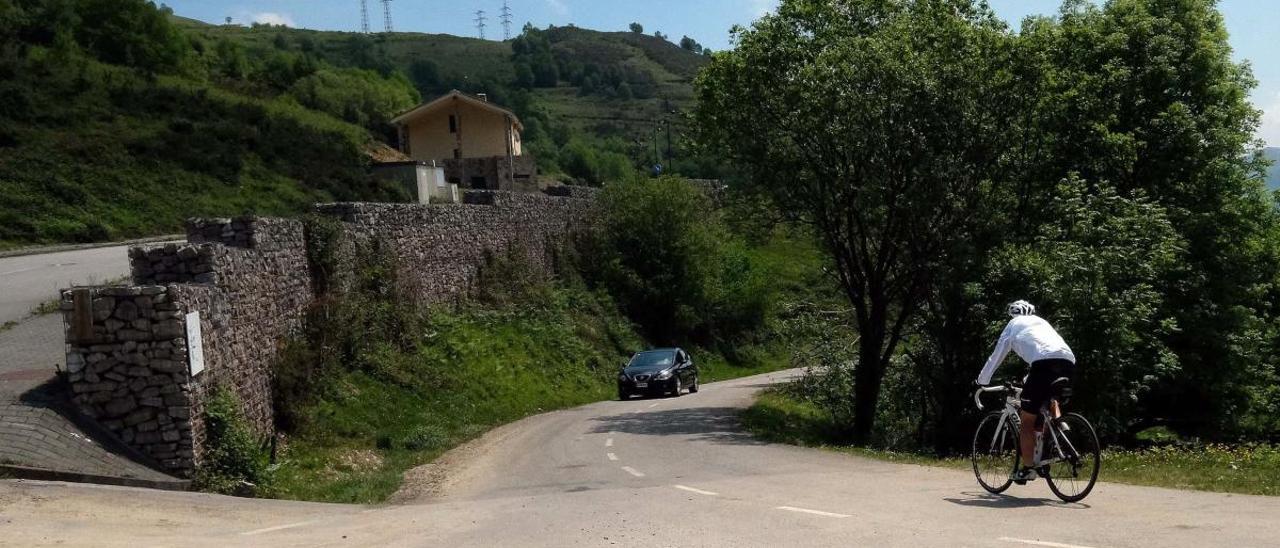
[475,141]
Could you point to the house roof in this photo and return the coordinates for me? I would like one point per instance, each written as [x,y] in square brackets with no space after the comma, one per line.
[449,99]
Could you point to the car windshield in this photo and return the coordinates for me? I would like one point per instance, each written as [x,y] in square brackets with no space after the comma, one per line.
[659,358]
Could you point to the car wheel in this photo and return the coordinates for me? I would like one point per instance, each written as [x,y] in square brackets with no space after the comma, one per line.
[623,395]
[679,388]
[693,388]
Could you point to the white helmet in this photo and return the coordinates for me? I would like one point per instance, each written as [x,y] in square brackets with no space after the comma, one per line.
[1022,308]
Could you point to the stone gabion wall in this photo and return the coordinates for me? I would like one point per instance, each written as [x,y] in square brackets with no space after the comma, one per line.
[439,249]
[127,367]
[249,280]
[175,263]
[263,290]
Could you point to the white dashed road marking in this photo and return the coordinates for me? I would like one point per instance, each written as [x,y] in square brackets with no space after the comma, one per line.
[611,456]
[277,528]
[633,471]
[608,442]
[654,405]
[814,512]
[1042,543]
[695,490]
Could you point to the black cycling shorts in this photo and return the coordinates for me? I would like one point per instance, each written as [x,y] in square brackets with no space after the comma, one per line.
[1039,386]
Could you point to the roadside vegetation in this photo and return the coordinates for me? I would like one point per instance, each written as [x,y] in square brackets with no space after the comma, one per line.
[1082,162]
[790,415]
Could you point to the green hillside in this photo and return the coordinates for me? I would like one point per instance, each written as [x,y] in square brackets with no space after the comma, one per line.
[582,95]
[119,119]
[1273,173]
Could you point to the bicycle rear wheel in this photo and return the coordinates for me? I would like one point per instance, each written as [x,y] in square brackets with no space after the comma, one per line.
[995,452]
[1079,455]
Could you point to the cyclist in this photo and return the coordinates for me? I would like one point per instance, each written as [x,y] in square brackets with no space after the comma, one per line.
[1036,342]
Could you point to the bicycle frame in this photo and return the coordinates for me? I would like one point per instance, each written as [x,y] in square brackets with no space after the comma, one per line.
[1013,414]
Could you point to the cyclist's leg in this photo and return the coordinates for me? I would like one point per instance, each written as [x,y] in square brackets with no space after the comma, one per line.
[1027,436]
[1035,393]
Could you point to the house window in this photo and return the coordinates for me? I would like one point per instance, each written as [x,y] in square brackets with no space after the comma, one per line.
[453,124]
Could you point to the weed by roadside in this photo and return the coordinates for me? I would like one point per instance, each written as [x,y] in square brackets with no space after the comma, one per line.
[1254,469]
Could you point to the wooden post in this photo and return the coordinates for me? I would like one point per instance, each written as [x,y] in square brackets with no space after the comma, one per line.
[82,315]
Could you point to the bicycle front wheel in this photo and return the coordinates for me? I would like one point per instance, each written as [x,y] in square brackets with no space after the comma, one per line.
[995,452]
[1078,458]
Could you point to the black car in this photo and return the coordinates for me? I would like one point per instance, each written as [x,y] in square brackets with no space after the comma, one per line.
[658,372]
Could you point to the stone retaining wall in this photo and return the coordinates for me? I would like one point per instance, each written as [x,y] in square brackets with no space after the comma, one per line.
[439,249]
[127,366]
[249,278]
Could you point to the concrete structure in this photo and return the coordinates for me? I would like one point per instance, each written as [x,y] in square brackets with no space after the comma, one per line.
[478,143]
[426,181]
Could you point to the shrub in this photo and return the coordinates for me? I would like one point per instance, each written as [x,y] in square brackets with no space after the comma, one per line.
[234,462]
[665,254]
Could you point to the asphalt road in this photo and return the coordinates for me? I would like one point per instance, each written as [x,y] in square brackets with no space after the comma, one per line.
[664,472]
[27,281]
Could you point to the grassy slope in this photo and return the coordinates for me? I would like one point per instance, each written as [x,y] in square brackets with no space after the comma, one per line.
[98,152]
[780,418]
[478,60]
[486,367]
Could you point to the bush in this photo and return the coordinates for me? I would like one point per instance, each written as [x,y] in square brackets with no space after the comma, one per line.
[234,462]
[362,97]
[665,254]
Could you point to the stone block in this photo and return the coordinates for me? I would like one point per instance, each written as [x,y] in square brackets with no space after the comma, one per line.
[132,335]
[167,366]
[149,426]
[117,408]
[75,362]
[138,417]
[171,435]
[152,402]
[126,310]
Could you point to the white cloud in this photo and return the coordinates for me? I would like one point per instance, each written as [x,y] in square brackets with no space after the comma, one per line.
[271,18]
[1270,129]
[558,6]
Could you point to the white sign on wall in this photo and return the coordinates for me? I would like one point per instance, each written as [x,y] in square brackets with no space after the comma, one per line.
[195,344]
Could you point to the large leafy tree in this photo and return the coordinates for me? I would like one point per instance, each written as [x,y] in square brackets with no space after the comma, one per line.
[1144,95]
[879,123]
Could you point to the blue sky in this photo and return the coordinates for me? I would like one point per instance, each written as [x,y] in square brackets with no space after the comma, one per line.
[1254,24]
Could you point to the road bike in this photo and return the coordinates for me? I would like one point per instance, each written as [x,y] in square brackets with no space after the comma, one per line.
[1067,452]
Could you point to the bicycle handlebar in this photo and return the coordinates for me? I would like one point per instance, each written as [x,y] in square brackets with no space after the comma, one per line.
[977,394]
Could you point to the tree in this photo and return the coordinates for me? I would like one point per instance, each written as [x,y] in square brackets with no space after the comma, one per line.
[1145,94]
[689,44]
[425,74]
[637,28]
[911,89]
[524,76]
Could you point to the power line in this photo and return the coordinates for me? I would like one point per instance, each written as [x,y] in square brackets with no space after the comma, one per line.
[364,16]
[506,20]
[386,15]
[480,23]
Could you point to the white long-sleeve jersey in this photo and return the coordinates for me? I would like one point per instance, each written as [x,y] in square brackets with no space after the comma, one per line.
[1033,339]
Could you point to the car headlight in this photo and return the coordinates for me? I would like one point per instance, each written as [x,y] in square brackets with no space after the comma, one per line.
[622,376]
[664,375]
